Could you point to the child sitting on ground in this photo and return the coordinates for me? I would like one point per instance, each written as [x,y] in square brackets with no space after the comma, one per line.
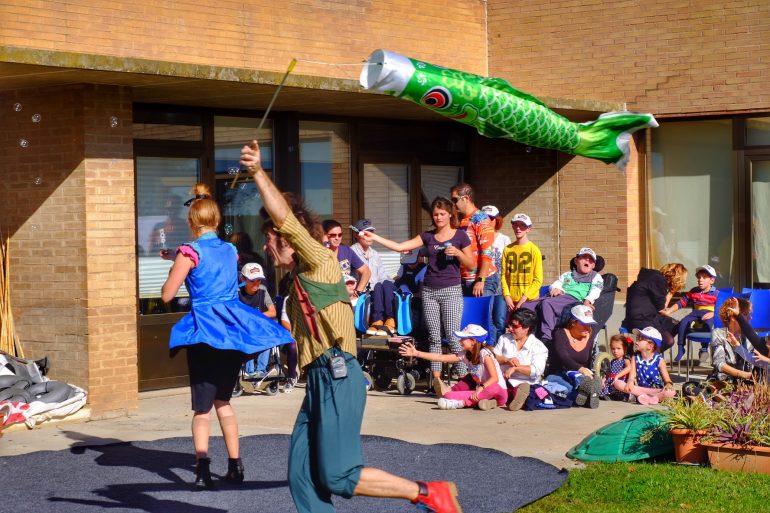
[484,385]
[619,368]
[648,379]
[702,299]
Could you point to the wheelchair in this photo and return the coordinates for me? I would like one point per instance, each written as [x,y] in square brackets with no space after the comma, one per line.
[379,356]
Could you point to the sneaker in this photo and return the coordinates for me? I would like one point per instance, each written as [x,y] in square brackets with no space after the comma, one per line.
[390,323]
[450,404]
[288,387]
[375,328]
[440,387]
[438,497]
[255,375]
[654,400]
[522,392]
[588,393]
[487,404]
[643,399]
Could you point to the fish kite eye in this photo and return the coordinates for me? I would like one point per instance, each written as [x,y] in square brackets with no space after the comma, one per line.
[437,98]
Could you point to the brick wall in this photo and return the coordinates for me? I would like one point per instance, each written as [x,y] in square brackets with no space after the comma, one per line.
[660,56]
[263,35]
[85,323]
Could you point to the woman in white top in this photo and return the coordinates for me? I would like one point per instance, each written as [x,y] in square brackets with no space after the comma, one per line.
[484,385]
[521,355]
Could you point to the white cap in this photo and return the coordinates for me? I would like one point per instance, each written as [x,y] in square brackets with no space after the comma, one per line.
[490,210]
[583,314]
[522,218]
[349,279]
[587,251]
[650,333]
[473,331]
[707,268]
[252,271]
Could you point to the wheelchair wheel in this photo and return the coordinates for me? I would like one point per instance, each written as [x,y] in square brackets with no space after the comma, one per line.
[238,390]
[405,384]
[272,388]
[601,364]
[368,380]
[416,374]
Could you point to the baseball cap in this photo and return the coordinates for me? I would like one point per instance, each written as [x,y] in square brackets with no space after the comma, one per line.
[409,257]
[650,333]
[583,314]
[349,279]
[364,225]
[473,331]
[708,269]
[522,218]
[587,251]
[490,210]
[252,271]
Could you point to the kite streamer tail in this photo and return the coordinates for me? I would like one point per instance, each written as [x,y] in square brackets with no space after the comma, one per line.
[607,138]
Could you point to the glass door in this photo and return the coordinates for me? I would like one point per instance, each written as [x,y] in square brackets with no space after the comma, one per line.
[759,220]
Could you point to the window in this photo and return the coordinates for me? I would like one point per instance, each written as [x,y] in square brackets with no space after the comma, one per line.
[162,186]
[758,132]
[239,200]
[691,197]
[324,155]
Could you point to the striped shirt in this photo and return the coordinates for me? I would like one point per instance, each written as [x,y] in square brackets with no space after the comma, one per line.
[335,322]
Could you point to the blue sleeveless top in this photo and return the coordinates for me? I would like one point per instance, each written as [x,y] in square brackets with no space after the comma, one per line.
[217,317]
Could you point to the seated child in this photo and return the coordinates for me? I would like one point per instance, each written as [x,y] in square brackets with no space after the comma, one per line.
[581,285]
[619,368]
[409,280]
[254,293]
[350,285]
[702,299]
[484,385]
[648,379]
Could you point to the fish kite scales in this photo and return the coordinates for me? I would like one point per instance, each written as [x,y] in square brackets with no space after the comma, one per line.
[498,110]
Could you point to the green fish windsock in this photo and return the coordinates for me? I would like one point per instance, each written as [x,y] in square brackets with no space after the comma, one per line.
[496,109]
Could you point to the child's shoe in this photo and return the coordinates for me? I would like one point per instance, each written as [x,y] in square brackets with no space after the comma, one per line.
[487,404]
[438,497]
[375,328]
[653,400]
[450,404]
[643,399]
[390,323]
[680,354]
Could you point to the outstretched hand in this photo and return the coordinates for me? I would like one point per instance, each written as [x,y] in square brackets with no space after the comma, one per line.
[732,306]
[407,349]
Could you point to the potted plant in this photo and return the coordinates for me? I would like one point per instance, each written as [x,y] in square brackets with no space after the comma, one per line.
[740,436]
[688,419]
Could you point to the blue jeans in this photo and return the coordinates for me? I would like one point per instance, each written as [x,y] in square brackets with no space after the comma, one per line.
[258,364]
[569,380]
[499,316]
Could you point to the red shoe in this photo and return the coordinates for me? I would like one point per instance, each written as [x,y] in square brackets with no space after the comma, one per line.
[438,497]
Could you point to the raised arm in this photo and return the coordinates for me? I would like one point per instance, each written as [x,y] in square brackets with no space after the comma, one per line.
[273,200]
[411,244]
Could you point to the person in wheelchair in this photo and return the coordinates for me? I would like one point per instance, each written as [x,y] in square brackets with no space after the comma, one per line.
[702,299]
[382,316]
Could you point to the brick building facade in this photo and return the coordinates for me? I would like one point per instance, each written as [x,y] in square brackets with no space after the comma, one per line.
[70,194]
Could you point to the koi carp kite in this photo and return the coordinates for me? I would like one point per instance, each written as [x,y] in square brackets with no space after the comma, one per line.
[498,110]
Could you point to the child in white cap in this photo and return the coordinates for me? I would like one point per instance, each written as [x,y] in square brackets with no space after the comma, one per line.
[648,379]
[484,385]
[703,300]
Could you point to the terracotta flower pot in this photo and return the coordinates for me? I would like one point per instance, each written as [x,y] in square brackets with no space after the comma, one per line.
[738,457]
[687,447]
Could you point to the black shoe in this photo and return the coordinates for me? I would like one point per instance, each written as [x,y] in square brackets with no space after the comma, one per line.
[234,471]
[203,479]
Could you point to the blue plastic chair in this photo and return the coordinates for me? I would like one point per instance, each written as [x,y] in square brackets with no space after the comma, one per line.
[760,319]
[544,290]
[477,310]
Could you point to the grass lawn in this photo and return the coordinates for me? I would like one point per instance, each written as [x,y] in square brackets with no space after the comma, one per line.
[656,488]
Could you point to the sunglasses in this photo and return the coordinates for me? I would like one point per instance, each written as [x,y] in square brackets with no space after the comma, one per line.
[334,235]
[455,199]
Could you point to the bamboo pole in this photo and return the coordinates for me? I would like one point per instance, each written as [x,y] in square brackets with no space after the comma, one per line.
[9,341]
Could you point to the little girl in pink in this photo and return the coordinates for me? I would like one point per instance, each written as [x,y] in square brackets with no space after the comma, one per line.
[648,378]
[484,385]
